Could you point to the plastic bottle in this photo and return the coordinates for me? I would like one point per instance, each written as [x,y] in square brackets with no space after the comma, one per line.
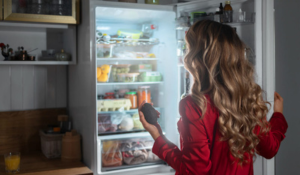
[228,12]
[241,16]
[217,15]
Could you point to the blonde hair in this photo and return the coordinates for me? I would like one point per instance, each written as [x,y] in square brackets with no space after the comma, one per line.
[216,59]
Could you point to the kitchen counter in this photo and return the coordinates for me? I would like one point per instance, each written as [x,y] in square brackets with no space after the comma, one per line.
[37,163]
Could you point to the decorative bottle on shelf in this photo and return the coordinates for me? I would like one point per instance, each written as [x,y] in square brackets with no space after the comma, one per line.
[221,11]
[187,85]
[228,12]
[62,56]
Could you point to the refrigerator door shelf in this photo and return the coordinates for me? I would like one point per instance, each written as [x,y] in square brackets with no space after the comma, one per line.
[129,83]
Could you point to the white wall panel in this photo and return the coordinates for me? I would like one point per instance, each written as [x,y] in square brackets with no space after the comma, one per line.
[32,87]
[61,86]
[51,87]
[16,91]
[28,87]
[4,88]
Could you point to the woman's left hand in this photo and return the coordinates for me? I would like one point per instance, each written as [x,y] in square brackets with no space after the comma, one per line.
[152,129]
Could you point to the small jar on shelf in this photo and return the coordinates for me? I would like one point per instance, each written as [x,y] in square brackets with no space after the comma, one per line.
[144,94]
[133,99]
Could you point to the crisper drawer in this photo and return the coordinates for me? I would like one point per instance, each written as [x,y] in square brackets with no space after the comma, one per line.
[123,152]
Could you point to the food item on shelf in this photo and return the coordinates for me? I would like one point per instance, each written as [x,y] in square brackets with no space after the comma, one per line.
[105,70]
[150,113]
[141,68]
[105,50]
[104,123]
[113,104]
[111,154]
[151,55]
[128,54]
[134,152]
[105,37]
[144,94]
[151,156]
[133,99]
[130,33]
[128,77]
[109,95]
[150,77]
[126,124]
[122,92]
[137,124]
[116,120]
[99,72]
[119,69]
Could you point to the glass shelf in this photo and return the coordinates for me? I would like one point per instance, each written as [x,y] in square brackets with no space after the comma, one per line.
[129,83]
[127,59]
[125,111]
[132,166]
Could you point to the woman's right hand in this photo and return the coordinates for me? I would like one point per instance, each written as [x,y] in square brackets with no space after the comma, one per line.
[278,103]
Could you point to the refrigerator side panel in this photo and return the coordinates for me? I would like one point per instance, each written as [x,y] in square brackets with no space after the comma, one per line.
[269,67]
[81,105]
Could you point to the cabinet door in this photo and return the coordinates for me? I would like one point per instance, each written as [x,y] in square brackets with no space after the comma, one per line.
[56,11]
[1,13]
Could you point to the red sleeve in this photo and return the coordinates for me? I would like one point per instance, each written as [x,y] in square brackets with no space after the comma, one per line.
[194,158]
[270,142]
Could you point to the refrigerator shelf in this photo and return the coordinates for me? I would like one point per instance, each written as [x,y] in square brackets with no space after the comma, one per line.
[127,59]
[233,24]
[121,132]
[132,166]
[125,111]
[129,83]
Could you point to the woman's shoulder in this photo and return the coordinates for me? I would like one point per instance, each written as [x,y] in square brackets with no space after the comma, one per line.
[188,105]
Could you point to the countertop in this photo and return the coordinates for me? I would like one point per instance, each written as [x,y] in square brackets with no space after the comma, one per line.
[36,164]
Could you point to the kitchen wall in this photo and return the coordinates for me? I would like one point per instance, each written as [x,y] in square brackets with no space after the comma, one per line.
[32,87]
[287,28]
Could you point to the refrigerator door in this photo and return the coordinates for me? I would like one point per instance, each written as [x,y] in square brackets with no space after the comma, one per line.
[122,42]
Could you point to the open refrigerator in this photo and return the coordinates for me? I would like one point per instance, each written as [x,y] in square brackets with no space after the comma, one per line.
[132,52]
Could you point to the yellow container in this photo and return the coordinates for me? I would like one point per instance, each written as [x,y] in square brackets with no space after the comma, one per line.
[134,34]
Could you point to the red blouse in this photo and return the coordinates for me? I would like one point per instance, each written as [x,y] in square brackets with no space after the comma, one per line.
[202,152]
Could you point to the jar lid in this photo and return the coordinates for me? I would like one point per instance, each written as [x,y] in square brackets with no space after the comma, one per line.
[109,93]
[130,93]
[227,2]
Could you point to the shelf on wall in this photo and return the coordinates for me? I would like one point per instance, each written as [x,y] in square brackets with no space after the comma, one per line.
[37,63]
[128,83]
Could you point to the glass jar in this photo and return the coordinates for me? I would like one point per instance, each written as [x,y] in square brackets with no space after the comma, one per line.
[133,99]
[109,95]
[151,1]
[62,56]
[228,12]
[144,94]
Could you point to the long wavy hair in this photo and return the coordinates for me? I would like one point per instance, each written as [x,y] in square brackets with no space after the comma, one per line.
[216,59]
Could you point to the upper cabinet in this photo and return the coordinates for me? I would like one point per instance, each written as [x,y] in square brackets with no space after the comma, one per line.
[46,11]
[1,17]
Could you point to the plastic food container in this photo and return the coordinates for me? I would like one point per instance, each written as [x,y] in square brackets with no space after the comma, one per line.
[119,69]
[141,68]
[105,50]
[133,34]
[144,94]
[150,77]
[51,144]
[130,77]
[133,98]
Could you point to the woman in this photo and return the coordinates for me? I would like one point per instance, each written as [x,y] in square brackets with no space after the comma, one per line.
[223,122]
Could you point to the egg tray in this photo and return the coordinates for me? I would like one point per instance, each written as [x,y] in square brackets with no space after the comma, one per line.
[113,105]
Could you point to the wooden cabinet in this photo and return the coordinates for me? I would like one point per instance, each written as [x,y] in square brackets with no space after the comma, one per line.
[1,17]
[55,11]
